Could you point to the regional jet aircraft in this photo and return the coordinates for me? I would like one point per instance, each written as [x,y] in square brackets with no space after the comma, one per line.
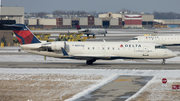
[90,51]
[164,40]
[91,31]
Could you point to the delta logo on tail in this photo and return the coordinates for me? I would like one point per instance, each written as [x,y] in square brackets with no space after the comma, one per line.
[78,27]
[23,34]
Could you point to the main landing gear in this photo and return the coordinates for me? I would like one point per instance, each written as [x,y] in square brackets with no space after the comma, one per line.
[90,62]
[87,36]
[163,62]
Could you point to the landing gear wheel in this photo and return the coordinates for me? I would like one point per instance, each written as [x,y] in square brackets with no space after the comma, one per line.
[90,62]
[163,62]
[87,36]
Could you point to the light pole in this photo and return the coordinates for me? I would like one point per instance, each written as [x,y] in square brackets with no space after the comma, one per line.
[0,9]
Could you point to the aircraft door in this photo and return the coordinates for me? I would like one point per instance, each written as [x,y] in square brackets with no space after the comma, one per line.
[146,52]
[103,48]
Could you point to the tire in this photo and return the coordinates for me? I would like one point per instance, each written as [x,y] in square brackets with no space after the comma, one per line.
[89,62]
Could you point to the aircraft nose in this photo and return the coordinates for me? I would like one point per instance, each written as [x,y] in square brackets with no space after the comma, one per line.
[173,54]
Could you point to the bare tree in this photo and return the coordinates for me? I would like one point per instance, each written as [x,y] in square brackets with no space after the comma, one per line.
[41,14]
[166,15]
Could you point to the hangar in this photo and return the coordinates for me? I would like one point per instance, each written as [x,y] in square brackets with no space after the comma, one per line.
[132,20]
[109,20]
[85,22]
[13,13]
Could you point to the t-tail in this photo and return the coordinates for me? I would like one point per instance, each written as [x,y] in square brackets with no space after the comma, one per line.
[78,27]
[23,34]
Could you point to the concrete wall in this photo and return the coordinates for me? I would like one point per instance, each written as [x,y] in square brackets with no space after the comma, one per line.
[47,22]
[117,16]
[114,21]
[67,22]
[7,36]
[32,21]
[111,15]
[102,15]
[13,13]
[171,21]
[83,21]
[168,21]
[147,17]
[98,21]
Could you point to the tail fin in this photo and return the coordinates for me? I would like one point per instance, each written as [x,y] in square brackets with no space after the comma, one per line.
[78,27]
[23,34]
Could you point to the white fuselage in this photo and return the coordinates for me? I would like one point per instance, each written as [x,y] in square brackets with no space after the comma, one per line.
[100,50]
[164,40]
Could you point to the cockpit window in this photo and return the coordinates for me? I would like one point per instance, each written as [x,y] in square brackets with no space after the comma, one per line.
[160,47]
[134,39]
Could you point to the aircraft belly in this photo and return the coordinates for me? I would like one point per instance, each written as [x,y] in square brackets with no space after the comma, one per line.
[45,53]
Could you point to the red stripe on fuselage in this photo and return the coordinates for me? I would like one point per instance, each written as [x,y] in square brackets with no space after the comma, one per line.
[26,35]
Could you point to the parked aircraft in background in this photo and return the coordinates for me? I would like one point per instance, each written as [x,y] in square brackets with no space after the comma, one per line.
[90,51]
[79,30]
[91,31]
[164,40]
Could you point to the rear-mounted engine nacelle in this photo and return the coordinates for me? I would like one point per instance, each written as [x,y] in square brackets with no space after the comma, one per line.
[58,45]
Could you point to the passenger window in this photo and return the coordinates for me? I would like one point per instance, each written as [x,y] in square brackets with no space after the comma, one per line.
[93,48]
[113,48]
[108,48]
[88,48]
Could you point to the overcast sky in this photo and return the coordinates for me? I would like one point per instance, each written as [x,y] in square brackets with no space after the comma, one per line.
[95,5]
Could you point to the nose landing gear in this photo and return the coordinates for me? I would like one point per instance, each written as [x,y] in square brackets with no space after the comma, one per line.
[163,62]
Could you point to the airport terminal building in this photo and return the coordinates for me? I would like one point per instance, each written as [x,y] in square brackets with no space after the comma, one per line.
[108,20]
[86,22]
[12,15]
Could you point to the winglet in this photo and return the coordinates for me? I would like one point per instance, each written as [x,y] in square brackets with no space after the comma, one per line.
[64,52]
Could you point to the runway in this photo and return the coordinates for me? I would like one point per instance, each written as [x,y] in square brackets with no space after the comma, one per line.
[96,65]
